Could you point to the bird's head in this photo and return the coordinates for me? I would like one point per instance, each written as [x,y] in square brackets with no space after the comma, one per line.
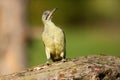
[47,15]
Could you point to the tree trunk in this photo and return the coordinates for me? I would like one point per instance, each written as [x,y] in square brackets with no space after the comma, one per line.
[12,36]
[83,68]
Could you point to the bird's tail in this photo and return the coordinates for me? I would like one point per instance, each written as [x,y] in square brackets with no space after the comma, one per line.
[55,57]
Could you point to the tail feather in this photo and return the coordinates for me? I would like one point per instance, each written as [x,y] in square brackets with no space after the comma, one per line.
[55,57]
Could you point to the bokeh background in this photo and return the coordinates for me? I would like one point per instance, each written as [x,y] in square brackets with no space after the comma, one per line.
[91,27]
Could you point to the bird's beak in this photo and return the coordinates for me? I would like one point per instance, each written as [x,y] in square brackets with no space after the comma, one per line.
[50,15]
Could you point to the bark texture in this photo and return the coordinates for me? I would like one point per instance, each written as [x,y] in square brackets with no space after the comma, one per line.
[98,67]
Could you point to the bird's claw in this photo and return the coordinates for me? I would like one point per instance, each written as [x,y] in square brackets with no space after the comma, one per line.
[47,63]
[64,60]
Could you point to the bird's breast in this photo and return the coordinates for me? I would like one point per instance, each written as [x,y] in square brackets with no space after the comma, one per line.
[53,38]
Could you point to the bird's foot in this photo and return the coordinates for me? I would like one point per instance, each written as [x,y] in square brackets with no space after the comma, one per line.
[47,63]
[64,60]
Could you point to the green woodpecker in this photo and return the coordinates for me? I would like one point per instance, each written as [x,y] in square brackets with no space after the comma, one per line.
[53,38]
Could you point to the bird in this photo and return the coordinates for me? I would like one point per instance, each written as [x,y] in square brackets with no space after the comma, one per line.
[53,38]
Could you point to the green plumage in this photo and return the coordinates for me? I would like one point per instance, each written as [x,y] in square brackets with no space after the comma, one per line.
[53,38]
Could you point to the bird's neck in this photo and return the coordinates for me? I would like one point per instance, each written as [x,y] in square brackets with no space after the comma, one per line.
[49,24]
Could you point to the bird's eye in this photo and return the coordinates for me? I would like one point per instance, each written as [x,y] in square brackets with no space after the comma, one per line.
[46,12]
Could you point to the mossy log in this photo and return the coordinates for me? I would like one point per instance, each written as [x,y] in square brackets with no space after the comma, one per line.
[97,67]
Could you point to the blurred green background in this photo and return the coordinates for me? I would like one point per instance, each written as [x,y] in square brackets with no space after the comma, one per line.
[91,27]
